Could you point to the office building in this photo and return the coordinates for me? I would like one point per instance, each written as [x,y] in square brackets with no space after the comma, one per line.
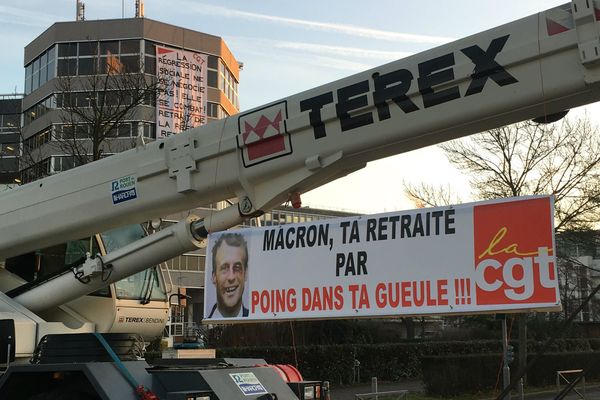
[80,74]
[74,68]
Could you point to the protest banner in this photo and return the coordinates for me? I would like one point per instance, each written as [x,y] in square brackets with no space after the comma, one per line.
[487,257]
[181,94]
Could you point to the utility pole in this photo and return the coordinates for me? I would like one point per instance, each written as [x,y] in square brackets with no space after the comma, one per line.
[505,351]
[522,351]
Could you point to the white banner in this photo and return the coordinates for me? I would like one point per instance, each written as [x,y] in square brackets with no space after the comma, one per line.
[481,257]
[181,97]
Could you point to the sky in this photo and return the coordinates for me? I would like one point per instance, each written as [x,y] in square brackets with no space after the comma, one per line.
[291,46]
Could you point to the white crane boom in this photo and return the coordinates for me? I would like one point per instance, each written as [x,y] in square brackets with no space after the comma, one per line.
[513,72]
[532,67]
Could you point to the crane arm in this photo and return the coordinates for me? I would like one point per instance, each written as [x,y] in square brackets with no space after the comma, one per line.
[524,69]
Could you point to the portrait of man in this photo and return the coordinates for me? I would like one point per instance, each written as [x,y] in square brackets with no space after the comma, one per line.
[229,268]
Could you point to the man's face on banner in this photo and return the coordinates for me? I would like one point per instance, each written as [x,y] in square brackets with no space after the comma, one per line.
[229,278]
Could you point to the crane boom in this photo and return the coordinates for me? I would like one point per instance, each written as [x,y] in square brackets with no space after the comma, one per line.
[534,67]
[520,70]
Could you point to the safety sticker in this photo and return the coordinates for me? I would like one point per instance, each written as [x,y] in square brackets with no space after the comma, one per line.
[124,189]
[248,383]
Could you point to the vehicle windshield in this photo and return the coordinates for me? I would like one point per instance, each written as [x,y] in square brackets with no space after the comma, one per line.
[145,285]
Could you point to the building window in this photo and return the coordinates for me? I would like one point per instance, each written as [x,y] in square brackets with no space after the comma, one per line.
[36,171]
[148,130]
[211,78]
[124,130]
[64,132]
[228,84]
[213,62]
[40,70]
[150,65]
[43,69]
[62,163]
[28,74]
[215,110]
[89,58]
[38,140]
[88,49]
[40,109]
[130,63]
[109,47]
[9,121]
[8,164]
[67,49]
[66,67]
[87,66]
[82,131]
[131,46]
[9,150]
[149,48]
[35,83]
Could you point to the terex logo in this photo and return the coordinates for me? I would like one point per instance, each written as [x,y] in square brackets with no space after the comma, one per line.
[262,134]
[514,258]
[435,82]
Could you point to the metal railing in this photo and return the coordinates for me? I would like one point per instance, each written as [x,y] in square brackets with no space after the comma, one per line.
[571,378]
[192,329]
[391,395]
[377,395]
[10,96]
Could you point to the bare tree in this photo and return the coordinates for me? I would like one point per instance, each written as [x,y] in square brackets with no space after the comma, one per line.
[94,107]
[526,159]
[425,195]
[94,110]
[561,159]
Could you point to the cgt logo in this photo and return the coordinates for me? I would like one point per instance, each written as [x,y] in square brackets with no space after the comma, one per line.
[513,253]
[263,135]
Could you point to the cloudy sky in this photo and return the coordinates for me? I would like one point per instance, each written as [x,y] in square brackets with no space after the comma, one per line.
[290,46]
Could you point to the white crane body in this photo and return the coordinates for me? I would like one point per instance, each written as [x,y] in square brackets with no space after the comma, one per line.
[503,75]
[521,70]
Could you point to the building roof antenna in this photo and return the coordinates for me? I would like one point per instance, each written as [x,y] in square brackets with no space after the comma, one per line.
[139,8]
[80,11]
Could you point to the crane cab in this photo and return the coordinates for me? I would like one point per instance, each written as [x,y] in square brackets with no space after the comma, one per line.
[136,304]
